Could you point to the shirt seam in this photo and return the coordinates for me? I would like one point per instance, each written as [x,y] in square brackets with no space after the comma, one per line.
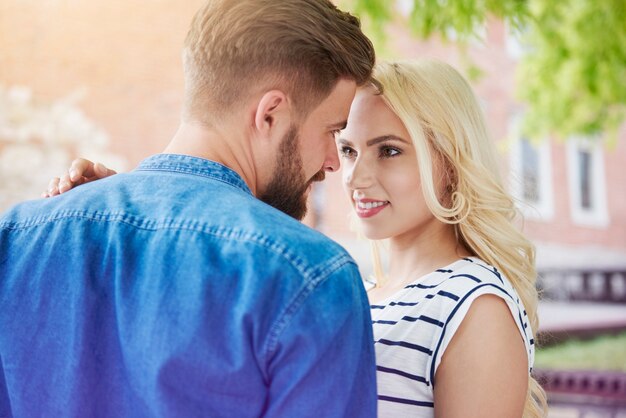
[222,177]
[332,266]
[189,225]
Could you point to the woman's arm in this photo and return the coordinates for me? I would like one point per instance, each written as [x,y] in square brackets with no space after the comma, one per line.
[81,171]
[484,370]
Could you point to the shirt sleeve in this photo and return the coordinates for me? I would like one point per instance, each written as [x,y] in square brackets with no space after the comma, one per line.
[457,315]
[323,362]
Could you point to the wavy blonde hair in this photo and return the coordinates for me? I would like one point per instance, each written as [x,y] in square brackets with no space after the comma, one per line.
[446,124]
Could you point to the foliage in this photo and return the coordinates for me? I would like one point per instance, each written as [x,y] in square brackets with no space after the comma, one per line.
[448,18]
[602,353]
[573,75]
[574,79]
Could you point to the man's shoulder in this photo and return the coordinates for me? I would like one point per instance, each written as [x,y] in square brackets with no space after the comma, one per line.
[25,214]
[189,204]
[281,234]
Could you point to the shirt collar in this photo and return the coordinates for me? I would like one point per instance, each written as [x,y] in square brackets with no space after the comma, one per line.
[195,166]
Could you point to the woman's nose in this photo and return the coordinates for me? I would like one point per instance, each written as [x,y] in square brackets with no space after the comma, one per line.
[356,175]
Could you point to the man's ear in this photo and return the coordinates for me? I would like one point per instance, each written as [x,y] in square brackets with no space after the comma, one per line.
[273,114]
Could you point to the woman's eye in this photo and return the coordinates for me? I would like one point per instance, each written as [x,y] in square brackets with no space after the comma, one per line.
[388,152]
[347,152]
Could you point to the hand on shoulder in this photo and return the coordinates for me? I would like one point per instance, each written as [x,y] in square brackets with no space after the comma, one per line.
[81,171]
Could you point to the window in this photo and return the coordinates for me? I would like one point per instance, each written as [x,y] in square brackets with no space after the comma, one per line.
[584,162]
[531,175]
[530,172]
[587,188]
[516,42]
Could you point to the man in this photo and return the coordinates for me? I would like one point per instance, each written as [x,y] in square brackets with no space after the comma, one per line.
[172,290]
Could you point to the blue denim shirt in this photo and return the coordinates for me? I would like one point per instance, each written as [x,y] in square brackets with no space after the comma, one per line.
[172,291]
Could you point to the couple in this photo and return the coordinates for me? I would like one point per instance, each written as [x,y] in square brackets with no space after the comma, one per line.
[179,290]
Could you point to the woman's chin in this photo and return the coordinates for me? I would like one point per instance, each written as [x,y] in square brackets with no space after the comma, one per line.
[374,235]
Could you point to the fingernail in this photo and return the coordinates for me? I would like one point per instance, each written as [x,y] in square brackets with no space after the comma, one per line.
[73,174]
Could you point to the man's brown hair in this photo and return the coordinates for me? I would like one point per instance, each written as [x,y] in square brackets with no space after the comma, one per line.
[302,47]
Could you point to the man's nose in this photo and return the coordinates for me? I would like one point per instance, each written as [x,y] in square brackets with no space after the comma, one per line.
[331,163]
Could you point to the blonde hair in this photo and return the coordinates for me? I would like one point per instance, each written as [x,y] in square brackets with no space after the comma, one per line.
[236,48]
[443,117]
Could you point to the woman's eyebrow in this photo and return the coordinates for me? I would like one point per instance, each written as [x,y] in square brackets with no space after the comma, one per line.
[374,141]
[384,138]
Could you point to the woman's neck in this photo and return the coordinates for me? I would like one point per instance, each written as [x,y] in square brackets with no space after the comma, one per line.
[412,256]
[417,253]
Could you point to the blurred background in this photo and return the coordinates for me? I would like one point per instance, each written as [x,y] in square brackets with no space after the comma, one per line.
[103,80]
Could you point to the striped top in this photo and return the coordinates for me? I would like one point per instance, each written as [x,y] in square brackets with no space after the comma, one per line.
[413,327]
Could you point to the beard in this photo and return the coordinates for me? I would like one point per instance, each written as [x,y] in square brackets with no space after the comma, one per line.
[287,190]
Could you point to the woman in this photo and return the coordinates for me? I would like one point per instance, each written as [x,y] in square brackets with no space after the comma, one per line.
[454,314]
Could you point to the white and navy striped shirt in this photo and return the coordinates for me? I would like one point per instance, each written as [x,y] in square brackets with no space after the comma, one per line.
[413,327]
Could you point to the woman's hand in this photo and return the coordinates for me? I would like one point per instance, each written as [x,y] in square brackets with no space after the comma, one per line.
[81,171]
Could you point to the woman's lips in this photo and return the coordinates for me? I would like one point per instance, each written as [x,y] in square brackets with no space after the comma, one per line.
[367,208]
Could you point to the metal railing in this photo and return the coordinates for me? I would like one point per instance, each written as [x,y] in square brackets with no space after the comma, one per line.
[587,393]
[588,285]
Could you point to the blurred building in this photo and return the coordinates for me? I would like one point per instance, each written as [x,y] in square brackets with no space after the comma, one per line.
[124,58]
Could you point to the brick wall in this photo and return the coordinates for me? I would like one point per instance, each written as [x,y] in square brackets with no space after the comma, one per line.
[124,55]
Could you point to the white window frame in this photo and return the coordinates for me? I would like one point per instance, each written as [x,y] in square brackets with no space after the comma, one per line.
[514,46]
[543,209]
[405,7]
[597,216]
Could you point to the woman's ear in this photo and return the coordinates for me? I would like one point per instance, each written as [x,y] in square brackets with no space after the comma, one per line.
[273,114]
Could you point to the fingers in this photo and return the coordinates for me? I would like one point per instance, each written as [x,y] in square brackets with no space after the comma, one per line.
[81,168]
[65,183]
[53,188]
[81,171]
[101,171]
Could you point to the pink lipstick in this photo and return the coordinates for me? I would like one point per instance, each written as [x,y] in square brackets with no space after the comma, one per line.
[366,208]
